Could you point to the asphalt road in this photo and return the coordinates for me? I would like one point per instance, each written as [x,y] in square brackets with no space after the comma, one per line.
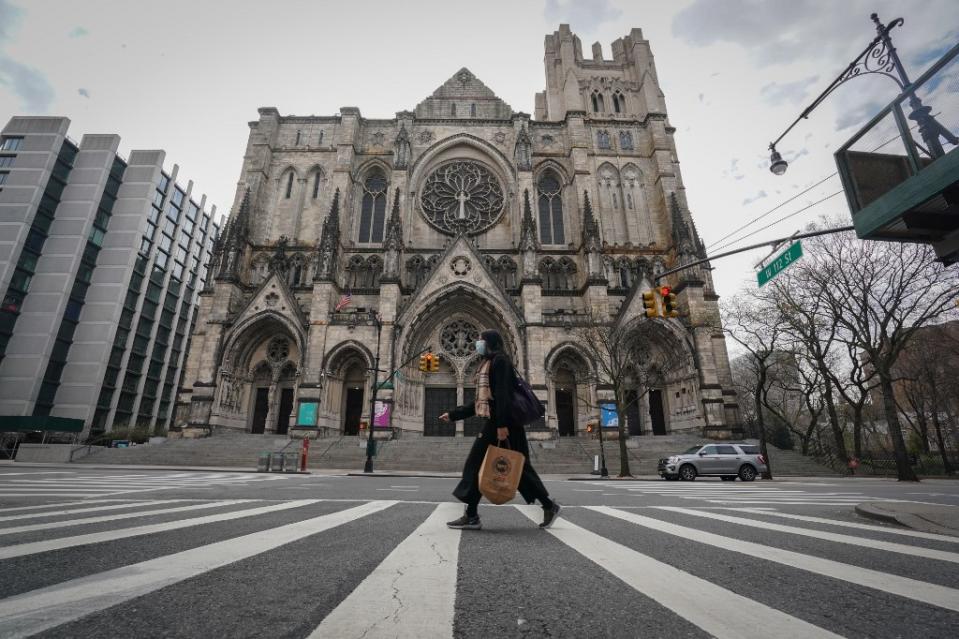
[132,553]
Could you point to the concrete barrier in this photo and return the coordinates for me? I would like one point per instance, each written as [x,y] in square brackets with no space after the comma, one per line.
[44,452]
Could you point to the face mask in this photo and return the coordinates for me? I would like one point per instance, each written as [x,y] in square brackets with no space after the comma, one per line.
[481,347]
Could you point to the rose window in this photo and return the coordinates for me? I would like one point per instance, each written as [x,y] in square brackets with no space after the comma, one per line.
[278,349]
[462,197]
[458,337]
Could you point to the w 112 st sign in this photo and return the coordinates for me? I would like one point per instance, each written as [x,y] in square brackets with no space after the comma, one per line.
[780,263]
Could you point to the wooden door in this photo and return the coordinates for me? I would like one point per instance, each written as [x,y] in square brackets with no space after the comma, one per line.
[437,402]
[565,413]
[261,406]
[354,410]
[656,412]
[286,407]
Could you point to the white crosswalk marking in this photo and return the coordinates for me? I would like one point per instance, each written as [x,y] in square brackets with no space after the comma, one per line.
[414,587]
[728,493]
[850,524]
[31,548]
[903,549]
[902,586]
[32,612]
[85,521]
[90,509]
[75,483]
[690,597]
[61,504]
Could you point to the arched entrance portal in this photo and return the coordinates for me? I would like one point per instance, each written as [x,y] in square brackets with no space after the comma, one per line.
[449,324]
[347,380]
[256,387]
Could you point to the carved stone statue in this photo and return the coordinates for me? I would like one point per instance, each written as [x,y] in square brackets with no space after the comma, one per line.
[402,149]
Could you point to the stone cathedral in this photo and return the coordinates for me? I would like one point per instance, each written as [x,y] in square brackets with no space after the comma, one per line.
[457,216]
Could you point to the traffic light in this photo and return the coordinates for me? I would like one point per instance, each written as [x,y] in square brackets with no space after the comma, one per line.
[424,363]
[434,363]
[649,303]
[670,308]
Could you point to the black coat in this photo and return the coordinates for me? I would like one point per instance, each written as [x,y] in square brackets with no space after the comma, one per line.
[502,381]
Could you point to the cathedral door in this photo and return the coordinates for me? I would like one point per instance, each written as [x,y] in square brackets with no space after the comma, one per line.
[565,414]
[438,401]
[261,407]
[286,407]
[354,409]
[656,414]
[473,425]
[633,425]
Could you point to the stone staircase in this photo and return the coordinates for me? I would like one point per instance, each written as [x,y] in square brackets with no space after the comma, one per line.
[572,456]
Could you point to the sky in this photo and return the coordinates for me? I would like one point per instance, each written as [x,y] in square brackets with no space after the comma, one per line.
[187,77]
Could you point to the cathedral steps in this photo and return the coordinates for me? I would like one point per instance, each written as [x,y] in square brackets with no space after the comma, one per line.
[567,456]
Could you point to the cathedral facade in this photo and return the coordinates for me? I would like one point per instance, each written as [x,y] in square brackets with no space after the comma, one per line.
[355,238]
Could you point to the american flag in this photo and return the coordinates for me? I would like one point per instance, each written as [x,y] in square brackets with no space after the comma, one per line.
[344,300]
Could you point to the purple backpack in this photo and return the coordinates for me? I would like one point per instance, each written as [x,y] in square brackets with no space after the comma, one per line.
[526,407]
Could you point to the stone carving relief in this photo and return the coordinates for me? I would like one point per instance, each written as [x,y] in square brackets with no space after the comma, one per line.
[499,137]
[458,337]
[461,266]
[425,136]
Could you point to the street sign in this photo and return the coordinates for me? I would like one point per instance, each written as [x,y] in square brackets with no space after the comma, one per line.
[779,264]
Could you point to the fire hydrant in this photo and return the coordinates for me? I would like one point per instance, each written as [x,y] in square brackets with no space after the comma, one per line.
[304,453]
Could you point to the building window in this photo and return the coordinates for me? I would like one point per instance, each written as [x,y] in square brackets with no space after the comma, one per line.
[619,102]
[453,110]
[373,213]
[598,106]
[626,140]
[320,142]
[289,185]
[7,160]
[10,144]
[297,138]
[602,139]
[3,177]
[473,110]
[316,185]
[550,209]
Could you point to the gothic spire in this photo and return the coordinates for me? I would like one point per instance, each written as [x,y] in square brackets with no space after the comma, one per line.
[239,227]
[326,251]
[590,227]
[394,230]
[233,242]
[527,236]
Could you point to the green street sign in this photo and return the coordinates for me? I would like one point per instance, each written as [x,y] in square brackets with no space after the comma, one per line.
[778,265]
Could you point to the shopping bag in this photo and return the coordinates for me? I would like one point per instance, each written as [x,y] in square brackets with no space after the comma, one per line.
[499,475]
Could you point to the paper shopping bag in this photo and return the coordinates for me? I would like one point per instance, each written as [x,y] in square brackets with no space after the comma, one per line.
[499,475]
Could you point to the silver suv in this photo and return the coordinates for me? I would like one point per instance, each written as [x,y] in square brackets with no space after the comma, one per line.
[726,460]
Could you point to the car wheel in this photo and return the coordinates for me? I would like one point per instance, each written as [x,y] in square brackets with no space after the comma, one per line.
[747,473]
[729,477]
[687,472]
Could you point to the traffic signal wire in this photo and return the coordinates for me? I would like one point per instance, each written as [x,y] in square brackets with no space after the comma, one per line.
[752,247]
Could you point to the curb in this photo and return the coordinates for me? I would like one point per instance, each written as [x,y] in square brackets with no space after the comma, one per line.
[908,520]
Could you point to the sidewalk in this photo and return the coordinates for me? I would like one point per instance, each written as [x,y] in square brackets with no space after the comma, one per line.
[932,518]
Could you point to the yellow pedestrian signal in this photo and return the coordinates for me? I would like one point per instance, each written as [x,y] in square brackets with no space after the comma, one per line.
[669,305]
[424,363]
[430,363]
[649,303]
[434,363]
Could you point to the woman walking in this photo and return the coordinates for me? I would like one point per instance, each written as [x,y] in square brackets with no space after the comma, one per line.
[495,380]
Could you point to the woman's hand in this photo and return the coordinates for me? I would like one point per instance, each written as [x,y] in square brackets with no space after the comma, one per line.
[445,418]
[502,433]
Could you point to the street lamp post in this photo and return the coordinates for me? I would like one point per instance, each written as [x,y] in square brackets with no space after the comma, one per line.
[370,442]
[881,57]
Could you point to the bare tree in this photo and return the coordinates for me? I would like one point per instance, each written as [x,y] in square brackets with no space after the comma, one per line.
[630,356]
[747,321]
[880,294]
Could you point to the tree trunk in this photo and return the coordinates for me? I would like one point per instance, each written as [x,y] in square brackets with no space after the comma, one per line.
[903,470]
[623,451]
[857,432]
[838,435]
[946,466]
[761,422]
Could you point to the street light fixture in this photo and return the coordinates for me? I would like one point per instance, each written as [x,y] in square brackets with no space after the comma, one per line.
[776,162]
[878,57]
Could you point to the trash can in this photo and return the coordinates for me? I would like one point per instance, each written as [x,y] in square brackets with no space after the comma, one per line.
[263,462]
[290,464]
[276,462]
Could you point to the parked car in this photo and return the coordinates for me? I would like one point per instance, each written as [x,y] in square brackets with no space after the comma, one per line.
[726,460]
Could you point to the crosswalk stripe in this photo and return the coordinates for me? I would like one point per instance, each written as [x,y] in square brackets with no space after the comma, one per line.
[61,504]
[76,511]
[936,595]
[31,548]
[851,524]
[38,610]
[414,587]
[84,521]
[700,602]
[902,549]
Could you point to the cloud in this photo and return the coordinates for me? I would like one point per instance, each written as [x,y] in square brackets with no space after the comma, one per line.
[83,92]
[582,16]
[858,115]
[79,32]
[29,84]
[701,97]
[776,94]
[758,196]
